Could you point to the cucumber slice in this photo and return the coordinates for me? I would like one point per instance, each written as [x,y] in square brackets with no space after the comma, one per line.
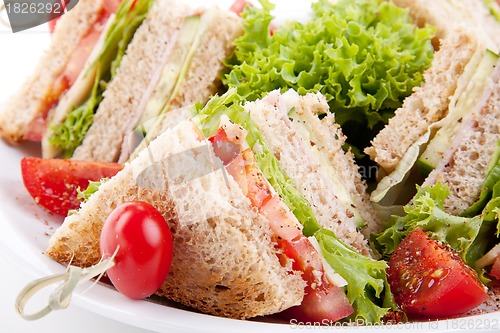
[172,71]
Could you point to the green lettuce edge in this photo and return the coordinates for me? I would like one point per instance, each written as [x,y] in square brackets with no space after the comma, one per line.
[68,135]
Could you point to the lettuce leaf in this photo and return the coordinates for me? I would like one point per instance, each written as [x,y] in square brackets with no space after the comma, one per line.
[91,189]
[229,104]
[427,212]
[68,135]
[492,180]
[84,195]
[364,56]
[367,288]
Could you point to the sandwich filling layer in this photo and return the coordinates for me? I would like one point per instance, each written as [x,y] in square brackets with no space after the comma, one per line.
[324,298]
[361,272]
[73,69]
[68,133]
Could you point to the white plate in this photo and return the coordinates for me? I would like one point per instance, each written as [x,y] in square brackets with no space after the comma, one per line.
[26,227]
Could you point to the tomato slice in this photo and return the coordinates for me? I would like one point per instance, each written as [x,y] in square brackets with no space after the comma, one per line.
[323,300]
[495,269]
[239,5]
[429,279]
[53,183]
[145,248]
[111,6]
[73,67]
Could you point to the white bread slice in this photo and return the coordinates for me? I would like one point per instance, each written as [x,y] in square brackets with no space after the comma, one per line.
[329,140]
[464,168]
[28,104]
[203,78]
[445,15]
[165,121]
[224,260]
[307,173]
[123,96]
[428,103]
[125,91]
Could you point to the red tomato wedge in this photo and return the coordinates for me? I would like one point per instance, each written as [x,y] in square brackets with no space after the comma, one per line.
[323,300]
[495,269]
[53,183]
[430,280]
[145,249]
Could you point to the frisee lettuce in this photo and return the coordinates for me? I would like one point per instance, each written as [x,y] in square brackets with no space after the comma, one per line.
[471,237]
[68,135]
[93,186]
[367,287]
[364,56]
[85,194]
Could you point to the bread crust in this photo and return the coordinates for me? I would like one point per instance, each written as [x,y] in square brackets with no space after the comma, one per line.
[27,105]
[125,92]
[224,260]
[428,103]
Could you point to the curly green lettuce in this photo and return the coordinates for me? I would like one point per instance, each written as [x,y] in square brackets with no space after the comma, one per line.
[427,212]
[365,56]
[367,287]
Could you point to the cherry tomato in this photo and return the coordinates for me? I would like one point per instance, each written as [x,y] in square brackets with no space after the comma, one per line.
[429,279]
[144,246]
[53,183]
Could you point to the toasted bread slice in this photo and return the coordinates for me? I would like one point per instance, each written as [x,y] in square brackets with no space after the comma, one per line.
[428,103]
[322,184]
[224,260]
[124,93]
[132,145]
[117,114]
[29,105]
[465,166]
[445,15]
